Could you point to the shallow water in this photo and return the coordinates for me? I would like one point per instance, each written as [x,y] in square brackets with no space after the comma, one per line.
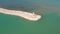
[49,24]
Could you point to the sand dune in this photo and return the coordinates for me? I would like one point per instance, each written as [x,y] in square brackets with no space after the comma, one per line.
[26,15]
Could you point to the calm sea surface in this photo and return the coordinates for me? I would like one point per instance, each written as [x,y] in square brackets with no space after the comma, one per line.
[49,24]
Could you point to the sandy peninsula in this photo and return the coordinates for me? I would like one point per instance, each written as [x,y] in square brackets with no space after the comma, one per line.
[26,15]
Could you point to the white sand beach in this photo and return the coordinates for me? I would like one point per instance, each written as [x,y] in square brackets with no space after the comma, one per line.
[26,15]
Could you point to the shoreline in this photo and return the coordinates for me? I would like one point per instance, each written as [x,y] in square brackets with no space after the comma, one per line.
[26,15]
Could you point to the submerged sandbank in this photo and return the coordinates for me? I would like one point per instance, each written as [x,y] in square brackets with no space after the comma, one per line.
[26,15]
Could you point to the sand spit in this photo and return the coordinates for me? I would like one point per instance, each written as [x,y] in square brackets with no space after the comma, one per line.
[26,15]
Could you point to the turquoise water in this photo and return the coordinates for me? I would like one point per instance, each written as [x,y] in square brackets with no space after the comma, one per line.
[49,24]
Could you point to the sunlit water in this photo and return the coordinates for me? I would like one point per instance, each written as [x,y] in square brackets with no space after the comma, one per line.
[49,24]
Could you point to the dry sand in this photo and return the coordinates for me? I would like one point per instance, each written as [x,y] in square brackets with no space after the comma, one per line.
[26,15]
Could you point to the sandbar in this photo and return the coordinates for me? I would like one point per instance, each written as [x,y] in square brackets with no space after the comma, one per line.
[24,14]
